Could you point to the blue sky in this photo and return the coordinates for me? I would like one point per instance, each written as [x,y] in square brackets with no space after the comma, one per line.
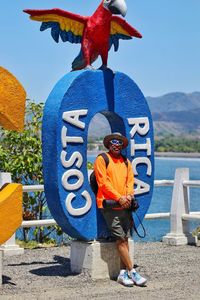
[167,59]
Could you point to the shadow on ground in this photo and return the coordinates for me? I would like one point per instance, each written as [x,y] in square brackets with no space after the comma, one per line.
[7,280]
[61,267]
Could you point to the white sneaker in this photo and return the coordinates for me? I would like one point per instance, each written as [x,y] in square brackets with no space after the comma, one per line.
[124,279]
[137,278]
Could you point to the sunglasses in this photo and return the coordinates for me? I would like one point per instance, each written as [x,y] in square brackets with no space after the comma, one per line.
[116,142]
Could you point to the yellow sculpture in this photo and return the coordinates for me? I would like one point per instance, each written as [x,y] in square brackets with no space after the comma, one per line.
[12,111]
[12,102]
[10,210]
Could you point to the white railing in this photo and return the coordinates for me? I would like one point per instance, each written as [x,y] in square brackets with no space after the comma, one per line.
[38,223]
[48,222]
[33,188]
[179,215]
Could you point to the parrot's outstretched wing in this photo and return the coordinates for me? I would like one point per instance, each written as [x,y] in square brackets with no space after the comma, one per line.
[63,24]
[120,29]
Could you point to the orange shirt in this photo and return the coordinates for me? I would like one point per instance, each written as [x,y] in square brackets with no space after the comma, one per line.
[114,181]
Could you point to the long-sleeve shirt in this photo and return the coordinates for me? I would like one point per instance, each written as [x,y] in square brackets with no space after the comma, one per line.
[114,181]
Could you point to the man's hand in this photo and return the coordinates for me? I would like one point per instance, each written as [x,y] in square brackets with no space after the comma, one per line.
[129,197]
[125,202]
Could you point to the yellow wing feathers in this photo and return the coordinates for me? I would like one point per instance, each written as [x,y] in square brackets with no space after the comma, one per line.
[66,24]
[118,29]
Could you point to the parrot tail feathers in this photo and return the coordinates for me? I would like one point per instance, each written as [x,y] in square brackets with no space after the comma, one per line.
[79,62]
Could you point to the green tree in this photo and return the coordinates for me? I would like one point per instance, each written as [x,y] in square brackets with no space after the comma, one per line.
[177,144]
[21,155]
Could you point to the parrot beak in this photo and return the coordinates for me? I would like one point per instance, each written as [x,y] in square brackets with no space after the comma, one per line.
[118,7]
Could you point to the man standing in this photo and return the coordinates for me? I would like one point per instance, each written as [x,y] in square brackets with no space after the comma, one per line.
[116,182]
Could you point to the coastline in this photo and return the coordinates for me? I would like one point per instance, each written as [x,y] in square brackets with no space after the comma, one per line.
[161,154]
[178,154]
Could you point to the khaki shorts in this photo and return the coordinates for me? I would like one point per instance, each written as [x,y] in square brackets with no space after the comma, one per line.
[119,222]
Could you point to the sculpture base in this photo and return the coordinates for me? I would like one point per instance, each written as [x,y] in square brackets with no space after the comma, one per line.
[178,239]
[99,260]
[197,242]
[10,248]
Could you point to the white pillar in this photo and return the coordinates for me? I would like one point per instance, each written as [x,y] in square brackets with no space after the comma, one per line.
[5,178]
[9,248]
[179,229]
[99,260]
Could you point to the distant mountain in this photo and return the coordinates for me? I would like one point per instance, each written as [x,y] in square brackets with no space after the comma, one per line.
[174,102]
[99,127]
[174,113]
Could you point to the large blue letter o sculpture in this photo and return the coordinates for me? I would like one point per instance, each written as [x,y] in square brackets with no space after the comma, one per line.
[74,101]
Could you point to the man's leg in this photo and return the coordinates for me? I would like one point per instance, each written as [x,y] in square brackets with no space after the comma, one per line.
[123,249]
[122,265]
[119,223]
[126,263]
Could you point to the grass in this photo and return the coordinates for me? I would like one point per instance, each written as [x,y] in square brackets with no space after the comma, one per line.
[34,244]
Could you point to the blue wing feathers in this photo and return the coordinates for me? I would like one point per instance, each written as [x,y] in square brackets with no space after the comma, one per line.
[67,37]
[45,25]
[64,36]
[71,37]
[56,32]
[114,40]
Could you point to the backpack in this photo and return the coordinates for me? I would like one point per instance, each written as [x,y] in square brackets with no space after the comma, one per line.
[93,181]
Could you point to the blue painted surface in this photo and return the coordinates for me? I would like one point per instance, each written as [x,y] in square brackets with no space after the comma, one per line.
[118,98]
[131,103]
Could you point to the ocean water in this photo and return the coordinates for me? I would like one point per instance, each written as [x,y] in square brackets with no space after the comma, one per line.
[161,200]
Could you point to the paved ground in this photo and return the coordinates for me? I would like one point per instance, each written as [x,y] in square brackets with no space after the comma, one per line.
[172,272]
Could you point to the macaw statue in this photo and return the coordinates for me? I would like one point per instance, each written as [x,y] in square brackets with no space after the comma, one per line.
[96,33]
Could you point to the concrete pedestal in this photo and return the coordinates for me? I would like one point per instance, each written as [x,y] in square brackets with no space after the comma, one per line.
[197,242]
[175,239]
[10,248]
[99,260]
[178,239]
[1,267]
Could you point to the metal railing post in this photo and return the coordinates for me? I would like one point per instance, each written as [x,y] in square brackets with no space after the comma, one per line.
[9,248]
[179,229]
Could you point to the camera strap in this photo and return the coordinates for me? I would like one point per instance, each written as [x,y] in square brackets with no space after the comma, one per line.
[144,230]
[135,229]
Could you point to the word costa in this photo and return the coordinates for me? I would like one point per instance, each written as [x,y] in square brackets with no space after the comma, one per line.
[76,159]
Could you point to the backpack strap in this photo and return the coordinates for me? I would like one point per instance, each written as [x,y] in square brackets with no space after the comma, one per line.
[105,157]
[125,160]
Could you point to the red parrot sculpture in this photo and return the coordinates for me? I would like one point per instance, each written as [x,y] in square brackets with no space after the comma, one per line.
[96,33]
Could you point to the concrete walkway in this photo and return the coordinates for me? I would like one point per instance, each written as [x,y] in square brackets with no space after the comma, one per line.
[172,272]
